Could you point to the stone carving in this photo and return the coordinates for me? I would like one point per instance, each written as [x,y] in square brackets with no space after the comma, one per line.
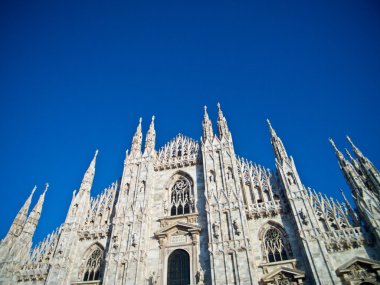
[134,239]
[235,224]
[305,221]
[181,151]
[200,276]
[166,207]
[216,229]
[358,272]
[152,280]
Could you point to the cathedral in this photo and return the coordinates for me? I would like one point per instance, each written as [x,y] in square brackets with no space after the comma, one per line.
[194,212]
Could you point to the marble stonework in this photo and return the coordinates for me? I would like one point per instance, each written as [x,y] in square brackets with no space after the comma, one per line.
[193,212]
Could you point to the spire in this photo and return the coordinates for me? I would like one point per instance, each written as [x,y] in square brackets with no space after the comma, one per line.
[137,140]
[88,177]
[278,146]
[367,168]
[338,154]
[20,218]
[352,177]
[353,161]
[207,126]
[222,124]
[356,150]
[32,221]
[350,209]
[150,139]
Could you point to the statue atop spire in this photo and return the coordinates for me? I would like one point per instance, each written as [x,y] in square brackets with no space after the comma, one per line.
[207,126]
[150,140]
[278,146]
[137,140]
[88,177]
[222,124]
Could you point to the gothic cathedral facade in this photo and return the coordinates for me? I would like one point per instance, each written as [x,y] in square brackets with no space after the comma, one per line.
[193,212]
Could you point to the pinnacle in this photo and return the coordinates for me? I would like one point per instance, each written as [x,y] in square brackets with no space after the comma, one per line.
[351,143]
[46,187]
[337,152]
[34,189]
[272,131]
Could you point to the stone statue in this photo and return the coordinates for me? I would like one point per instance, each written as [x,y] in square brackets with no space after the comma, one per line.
[236,227]
[153,278]
[200,276]
[215,227]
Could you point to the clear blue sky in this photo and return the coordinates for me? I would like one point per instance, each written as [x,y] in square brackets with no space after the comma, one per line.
[76,76]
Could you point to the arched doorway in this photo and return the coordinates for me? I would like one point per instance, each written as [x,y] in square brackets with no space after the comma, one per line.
[179,268]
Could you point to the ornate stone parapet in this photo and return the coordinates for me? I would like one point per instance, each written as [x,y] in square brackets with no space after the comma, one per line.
[33,272]
[264,209]
[89,232]
[343,239]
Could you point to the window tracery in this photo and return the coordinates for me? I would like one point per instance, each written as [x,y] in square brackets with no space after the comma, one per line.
[181,199]
[93,265]
[275,245]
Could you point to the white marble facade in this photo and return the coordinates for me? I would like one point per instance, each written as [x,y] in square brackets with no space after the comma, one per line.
[193,212]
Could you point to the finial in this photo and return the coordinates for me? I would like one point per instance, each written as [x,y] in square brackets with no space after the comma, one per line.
[344,197]
[272,131]
[218,104]
[351,143]
[96,153]
[333,144]
[140,120]
[349,154]
[205,113]
[34,189]
[153,117]
[46,187]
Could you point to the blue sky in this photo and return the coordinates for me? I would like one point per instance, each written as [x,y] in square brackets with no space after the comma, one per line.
[76,76]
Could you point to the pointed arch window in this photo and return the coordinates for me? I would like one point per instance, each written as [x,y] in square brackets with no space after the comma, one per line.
[275,246]
[93,265]
[180,197]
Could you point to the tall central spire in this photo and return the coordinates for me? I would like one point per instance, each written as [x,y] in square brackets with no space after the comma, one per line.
[137,140]
[207,126]
[222,124]
[150,140]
